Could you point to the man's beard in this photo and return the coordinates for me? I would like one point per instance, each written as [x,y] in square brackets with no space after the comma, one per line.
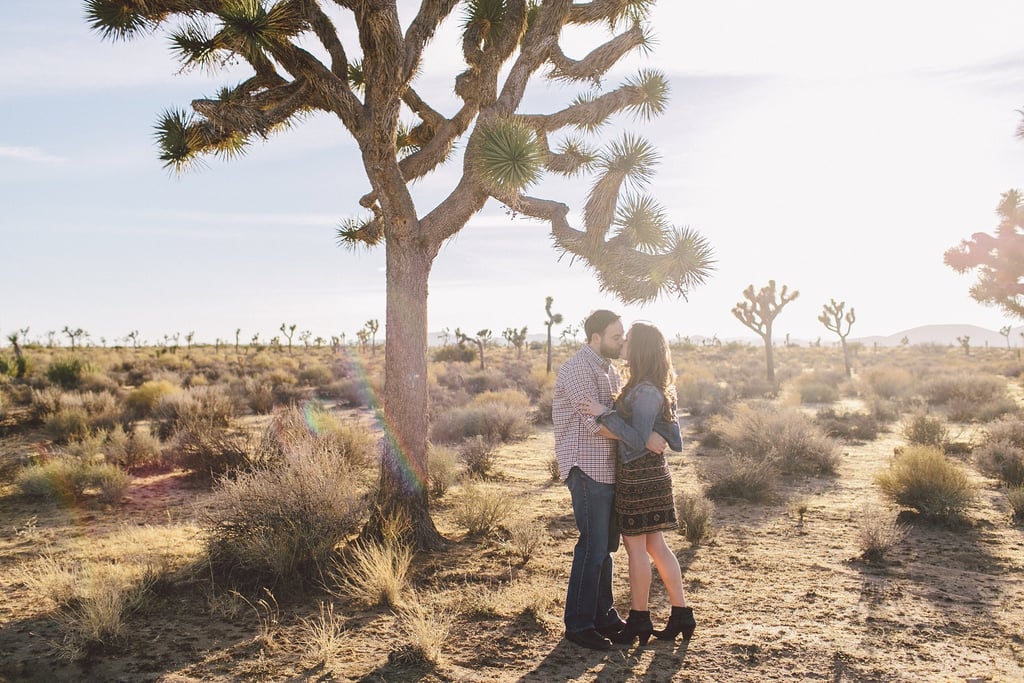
[610,354]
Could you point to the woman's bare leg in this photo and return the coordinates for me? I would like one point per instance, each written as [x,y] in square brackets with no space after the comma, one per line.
[639,571]
[668,568]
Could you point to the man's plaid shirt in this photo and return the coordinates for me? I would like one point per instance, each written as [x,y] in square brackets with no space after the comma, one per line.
[576,440]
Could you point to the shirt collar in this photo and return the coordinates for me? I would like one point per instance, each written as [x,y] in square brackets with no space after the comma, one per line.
[596,358]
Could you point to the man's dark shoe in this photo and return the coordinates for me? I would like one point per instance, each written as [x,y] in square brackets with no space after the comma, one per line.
[589,639]
[612,629]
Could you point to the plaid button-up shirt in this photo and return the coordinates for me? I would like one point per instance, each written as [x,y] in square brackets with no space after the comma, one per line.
[577,442]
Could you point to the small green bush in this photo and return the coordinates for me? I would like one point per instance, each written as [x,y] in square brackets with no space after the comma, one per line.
[65,372]
[67,424]
[1015,497]
[143,400]
[454,353]
[68,480]
[922,478]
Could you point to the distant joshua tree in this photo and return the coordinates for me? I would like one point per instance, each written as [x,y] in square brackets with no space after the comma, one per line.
[483,337]
[1005,331]
[965,344]
[553,319]
[288,333]
[515,338]
[832,317]
[74,335]
[758,313]
[371,327]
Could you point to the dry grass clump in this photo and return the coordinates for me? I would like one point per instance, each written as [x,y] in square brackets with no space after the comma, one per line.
[373,573]
[1010,430]
[321,638]
[207,448]
[694,511]
[481,508]
[784,437]
[922,478]
[818,387]
[424,630]
[201,405]
[477,454]
[879,532]
[93,599]
[525,535]
[443,465]
[284,518]
[498,416]
[891,383]
[700,393]
[1001,460]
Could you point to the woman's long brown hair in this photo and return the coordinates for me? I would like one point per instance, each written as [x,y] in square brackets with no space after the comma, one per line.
[650,359]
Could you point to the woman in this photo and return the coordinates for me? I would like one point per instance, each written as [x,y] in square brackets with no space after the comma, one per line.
[643,485]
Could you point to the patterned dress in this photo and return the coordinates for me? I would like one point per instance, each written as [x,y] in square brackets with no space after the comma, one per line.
[643,484]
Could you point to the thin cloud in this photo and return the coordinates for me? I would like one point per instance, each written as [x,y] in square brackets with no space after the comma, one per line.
[30,155]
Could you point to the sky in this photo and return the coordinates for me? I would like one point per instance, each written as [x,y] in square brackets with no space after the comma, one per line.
[836,148]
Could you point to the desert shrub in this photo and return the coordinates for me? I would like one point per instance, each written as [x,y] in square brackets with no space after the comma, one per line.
[66,424]
[43,402]
[785,437]
[884,410]
[496,416]
[65,372]
[312,427]
[926,430]
[143,399]
[963,388]
[315,375]
[488,380]
[922,478]
[454,353]
[442,463]
[818,387]
[103,409]
[348,392]
[891,383]
[321,638]
[1015,497]
[69,479]
[208,448]
[700,394]
[1002,460]
[1010,430]
[481,509]
[738,477]
[283,520]
[879,531]
[966,410]
[210,405]
[852,426]
[477,454]
[553,469]
[694,511]
[255,394]
[542,416]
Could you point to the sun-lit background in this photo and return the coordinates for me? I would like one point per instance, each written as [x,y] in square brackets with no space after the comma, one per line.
[839,150]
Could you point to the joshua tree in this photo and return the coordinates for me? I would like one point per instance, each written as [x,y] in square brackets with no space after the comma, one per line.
[481,340]
[20,364]
[74,335]
[553,319]
[363,335]
[832,317]
[304,337]
[965,344]
[288,331]
[371,327]
[302,64]
[515,338]
[758,313]
[133,337]
[999,258]
[1005,331]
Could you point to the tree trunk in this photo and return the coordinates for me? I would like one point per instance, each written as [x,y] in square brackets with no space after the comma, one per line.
[769,356]
[403,483]
[846,356]
[549,349]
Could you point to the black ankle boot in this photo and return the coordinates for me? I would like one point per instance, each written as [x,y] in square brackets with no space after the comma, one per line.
[638,625]
[680,621]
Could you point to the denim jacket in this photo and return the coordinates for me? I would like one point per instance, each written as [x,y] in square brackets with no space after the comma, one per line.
[646,401]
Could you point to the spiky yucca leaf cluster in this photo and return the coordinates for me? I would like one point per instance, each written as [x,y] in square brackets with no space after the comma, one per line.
[654,87]
[507,156]
[643,223]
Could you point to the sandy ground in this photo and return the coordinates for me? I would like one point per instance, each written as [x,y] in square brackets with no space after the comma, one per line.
[779,592]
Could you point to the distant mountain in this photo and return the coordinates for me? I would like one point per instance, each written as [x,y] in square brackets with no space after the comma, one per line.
[945,335]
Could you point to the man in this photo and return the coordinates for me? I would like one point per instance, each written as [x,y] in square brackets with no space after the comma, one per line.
[586,463]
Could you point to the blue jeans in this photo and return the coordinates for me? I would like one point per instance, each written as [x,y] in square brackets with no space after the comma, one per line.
[588,601]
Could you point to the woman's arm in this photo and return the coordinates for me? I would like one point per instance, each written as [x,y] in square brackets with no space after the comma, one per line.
[647,403]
